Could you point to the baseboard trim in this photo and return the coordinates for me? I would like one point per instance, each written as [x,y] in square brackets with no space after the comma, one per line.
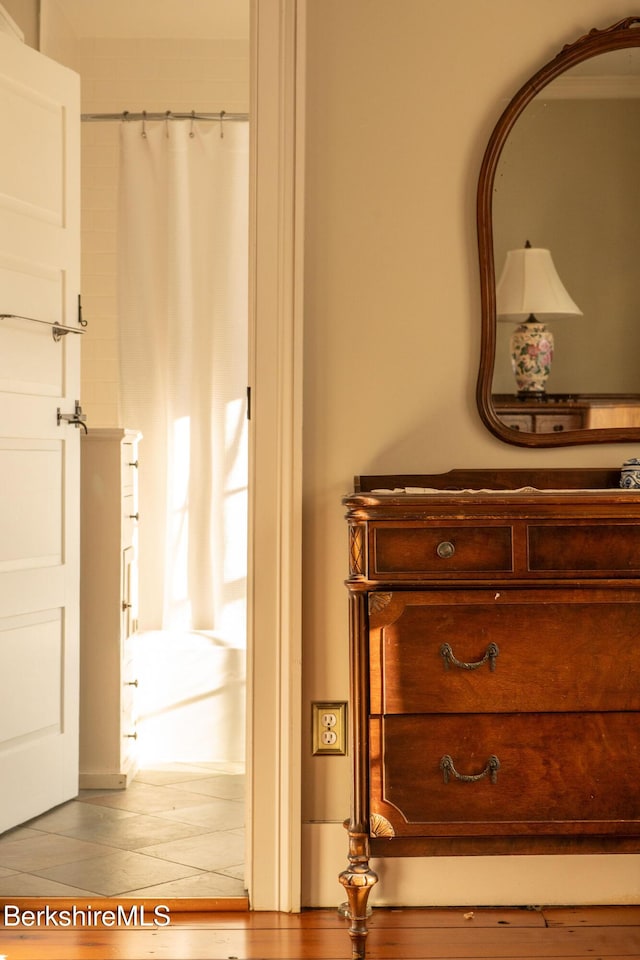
[582,880]
[107,781]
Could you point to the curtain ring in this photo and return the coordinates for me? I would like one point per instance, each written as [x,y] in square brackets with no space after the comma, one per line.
[167,117]
[222,115]
[193,120]
[144,124]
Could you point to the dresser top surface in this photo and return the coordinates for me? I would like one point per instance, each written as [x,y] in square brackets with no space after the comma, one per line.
[590,491]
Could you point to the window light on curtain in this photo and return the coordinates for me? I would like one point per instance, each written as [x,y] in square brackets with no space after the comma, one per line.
[182,305]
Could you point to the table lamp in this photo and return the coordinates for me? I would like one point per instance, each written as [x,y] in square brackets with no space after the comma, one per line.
[528,293]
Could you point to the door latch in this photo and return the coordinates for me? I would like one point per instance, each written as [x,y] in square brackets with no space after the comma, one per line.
[77,417]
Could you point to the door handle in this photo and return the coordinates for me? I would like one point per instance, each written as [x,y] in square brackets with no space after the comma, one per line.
[77,417]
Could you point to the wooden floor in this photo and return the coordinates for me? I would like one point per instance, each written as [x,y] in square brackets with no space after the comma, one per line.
[594,933]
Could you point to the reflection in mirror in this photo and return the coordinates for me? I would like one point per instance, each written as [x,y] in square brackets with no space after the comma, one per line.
[568,181]
[561,172]
[529,293]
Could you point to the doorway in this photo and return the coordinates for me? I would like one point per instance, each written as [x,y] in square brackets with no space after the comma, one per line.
[274,842]
[183,60]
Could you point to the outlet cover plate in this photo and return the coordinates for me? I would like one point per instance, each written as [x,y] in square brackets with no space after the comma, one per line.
[329,738]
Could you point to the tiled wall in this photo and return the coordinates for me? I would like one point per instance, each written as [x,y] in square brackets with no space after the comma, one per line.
[135,75]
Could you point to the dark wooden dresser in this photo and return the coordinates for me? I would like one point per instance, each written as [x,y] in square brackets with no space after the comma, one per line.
[495,665]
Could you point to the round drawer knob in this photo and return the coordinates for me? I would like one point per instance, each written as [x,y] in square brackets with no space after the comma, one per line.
[445,549]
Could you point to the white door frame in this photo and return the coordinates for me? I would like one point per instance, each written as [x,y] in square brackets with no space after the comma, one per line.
[275,361]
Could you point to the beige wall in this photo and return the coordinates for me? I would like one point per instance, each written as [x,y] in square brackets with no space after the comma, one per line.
[402,97]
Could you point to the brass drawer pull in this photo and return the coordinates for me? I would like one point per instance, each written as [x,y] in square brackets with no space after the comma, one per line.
[447,655]
[445,549]
[448,769]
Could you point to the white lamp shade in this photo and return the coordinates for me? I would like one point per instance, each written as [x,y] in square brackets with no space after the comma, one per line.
[530,284]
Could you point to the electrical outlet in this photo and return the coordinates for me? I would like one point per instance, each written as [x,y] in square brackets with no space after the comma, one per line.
[329,728]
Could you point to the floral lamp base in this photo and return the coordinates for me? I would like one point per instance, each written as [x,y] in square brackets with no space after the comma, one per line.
[531,356]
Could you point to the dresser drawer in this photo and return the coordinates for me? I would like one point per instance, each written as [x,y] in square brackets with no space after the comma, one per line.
[129,466]
[517,421]
[569,549]
[557,422]
[555,774]
[130,515]
[509,650]
[408,550]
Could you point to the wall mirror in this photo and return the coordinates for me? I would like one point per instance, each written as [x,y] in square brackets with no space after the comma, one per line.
[560,174]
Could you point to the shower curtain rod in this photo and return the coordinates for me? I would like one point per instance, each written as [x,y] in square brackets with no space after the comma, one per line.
[167,115]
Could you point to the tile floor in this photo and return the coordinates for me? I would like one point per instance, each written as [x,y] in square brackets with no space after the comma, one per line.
[177,831]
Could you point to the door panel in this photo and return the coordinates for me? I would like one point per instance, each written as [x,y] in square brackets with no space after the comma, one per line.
[32,178]
[31,649]
[30,360]
[39,457]
[33,482]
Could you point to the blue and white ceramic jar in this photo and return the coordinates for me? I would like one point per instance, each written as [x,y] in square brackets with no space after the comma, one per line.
[630,474]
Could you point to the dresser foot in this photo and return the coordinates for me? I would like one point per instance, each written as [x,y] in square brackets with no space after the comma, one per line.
[358,880]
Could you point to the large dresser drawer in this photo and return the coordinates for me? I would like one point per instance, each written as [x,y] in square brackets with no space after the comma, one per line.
[502,651]
[591,547]
[555,774]
[409,549]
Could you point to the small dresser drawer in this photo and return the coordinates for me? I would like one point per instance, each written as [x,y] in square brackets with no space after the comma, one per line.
[480,774]
[129,467]
[511,650]
[409,550]
[557,422]
[128,701]
[130,517]
[518,421]
[571,549]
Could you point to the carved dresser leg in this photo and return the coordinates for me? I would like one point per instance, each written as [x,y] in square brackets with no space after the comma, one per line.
[358,880]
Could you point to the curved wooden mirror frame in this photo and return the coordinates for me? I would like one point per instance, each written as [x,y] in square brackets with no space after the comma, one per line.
[624,34]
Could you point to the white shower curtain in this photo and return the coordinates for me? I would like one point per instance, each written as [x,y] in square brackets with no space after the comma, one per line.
[182,307]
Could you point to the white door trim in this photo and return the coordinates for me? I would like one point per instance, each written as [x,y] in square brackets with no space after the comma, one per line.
[275,361]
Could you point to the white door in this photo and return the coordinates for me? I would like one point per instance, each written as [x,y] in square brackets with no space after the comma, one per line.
[39,457]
